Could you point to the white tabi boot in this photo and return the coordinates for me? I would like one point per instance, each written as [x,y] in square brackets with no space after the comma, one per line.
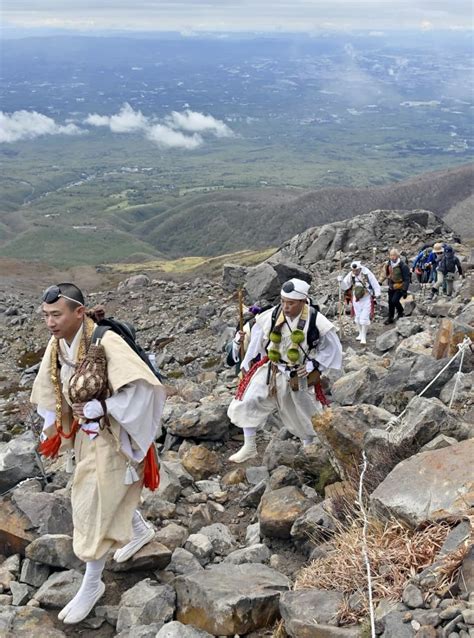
[92,588]
[359,330]
[363,334]
[142,534]
[247,451]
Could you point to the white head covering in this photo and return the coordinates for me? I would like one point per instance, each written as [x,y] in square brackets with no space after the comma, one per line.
[356,263]
[295,289]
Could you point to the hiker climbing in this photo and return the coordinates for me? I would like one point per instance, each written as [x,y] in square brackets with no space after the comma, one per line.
[238,346]
[397,273]
[100,401]
[364,289]
[446,266]
[295,343]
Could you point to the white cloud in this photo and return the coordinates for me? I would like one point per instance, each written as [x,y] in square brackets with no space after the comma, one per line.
[26,125]
[167,133]
[167,137]
[195,122]
[125,121]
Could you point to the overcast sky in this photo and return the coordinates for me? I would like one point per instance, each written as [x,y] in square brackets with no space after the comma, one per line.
[239,15]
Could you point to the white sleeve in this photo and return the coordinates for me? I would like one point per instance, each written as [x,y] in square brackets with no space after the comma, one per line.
[374,283]
[329,351]
[48,416]
[346,283]
[137,407]
[255,346]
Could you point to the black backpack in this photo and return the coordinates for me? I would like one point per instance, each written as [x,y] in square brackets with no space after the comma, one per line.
[128,334]
[449,264]
[313,332]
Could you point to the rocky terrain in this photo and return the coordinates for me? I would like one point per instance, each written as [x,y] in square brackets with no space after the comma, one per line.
[273,547]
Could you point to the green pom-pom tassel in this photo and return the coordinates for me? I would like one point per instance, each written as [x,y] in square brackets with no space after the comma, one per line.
[293,355]
[275,337]
[274,356]
[297,336]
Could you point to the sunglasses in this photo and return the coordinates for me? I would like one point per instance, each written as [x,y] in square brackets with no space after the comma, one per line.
[53,293]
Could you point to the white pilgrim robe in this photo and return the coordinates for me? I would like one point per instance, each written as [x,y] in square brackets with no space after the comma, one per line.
[362,307]
[102,505]
[295,408]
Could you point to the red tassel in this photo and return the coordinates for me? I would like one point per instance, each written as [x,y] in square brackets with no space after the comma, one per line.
[50,447]
[151,474]
[321,397]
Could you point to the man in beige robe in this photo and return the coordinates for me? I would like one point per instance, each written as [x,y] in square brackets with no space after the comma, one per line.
[108,477]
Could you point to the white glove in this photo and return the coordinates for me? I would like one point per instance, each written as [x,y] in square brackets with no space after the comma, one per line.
[340,278]
[93,409]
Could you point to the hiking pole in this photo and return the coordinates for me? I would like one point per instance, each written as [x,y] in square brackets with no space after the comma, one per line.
[241,323]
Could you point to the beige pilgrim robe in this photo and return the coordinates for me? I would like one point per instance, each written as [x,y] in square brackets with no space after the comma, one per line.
[102,505]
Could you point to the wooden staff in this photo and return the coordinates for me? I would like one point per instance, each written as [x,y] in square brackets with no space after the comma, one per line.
[241,323]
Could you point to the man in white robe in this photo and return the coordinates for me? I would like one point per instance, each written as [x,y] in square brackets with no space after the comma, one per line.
[108,477]
[364,289]
[267,387]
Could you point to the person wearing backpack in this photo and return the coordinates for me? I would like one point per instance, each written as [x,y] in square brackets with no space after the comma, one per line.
[424,265]
[101,401]
[397,272]
[447,265]
[365,289]
[294,343]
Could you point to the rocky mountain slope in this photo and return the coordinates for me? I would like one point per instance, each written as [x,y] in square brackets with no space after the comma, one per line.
[238,548]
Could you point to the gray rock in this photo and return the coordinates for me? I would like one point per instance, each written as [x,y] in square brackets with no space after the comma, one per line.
[427,485]
[304,610]
[356,387]
[48,513]
[230,599]
[152,556]
[34,573]
[279,509]
[283,476]
[17,461]
[59,589]
[233,277]
[203,423]
[54,550]
[12,564]
[176,467]
[222,540]
[254,495]
[27,622]
[412,596]
[262,283]
[258,553]
[172,536]
[21,593]
[317,522]
[280,453]
[141,631]
[438,443]
[170,486]
[387,340]
[200,546]
[135,281]
[208,487]
[395,627]
[464,388]
[407,327]
[147,602]
[256,473]
[252,535]
[183,562]
[176,629]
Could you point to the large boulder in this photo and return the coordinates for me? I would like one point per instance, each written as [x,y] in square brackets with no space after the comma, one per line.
[233,277]
[147,602]
[207,422]
[428,485]
[262,283]
[200,462]
[357,387]
[228,599]
[279,509]
[49,513]
[59,589]
[17,461]
[54,550]
[27,622]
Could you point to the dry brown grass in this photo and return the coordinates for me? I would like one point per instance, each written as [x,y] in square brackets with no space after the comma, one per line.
[396,555]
